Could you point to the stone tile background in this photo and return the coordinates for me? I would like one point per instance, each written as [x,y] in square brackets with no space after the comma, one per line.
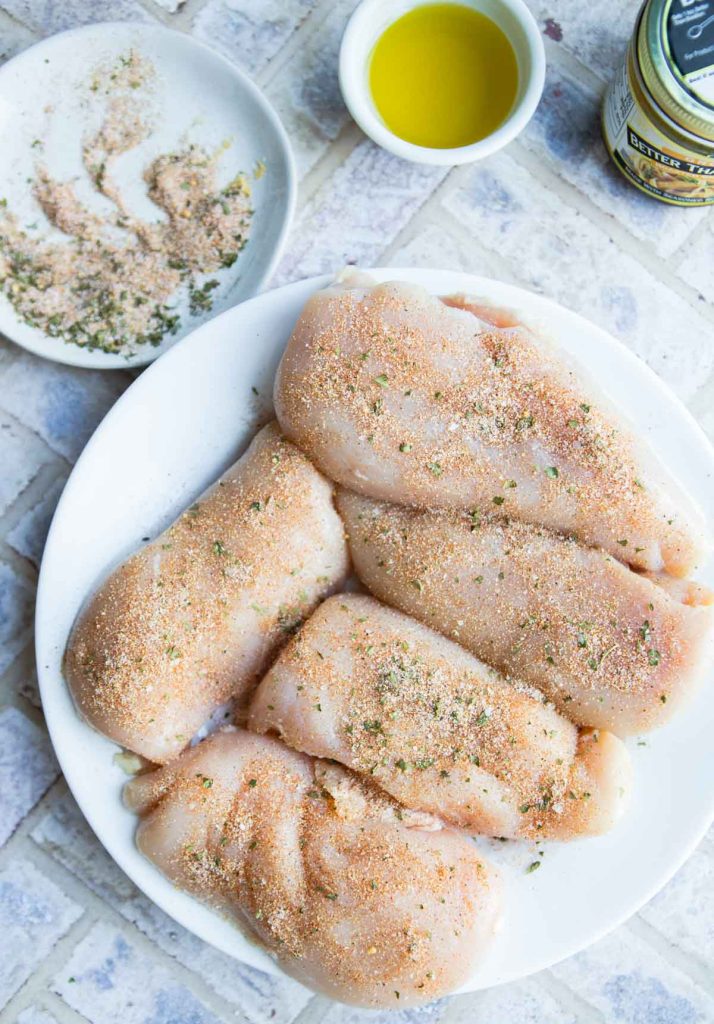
[77,941]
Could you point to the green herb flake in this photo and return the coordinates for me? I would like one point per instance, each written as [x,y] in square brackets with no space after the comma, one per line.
[200,299]
[373,726]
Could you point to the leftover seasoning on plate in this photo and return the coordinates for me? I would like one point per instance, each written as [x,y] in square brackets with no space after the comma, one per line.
[658,115]
[115,283]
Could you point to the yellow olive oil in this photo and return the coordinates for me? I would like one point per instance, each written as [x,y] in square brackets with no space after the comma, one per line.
[443,75]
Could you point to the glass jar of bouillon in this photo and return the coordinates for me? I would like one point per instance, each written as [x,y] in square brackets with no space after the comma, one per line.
[658,114]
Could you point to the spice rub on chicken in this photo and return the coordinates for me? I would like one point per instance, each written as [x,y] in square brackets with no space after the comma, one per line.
[437,729]
[612,648]
[352,895]
[405,397]
[193,619]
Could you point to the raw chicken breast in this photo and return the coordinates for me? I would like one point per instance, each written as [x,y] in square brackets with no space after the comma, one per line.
[610,647]
[353,896]
[193,619]
[406,397]
[436,729]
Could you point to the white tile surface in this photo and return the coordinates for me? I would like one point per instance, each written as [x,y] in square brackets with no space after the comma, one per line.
[110,980]
[357,212]
[16,608]
[550,214]
[34,914]
[250,32]
[556,249]
[27,768]
[628,982]
[596,32]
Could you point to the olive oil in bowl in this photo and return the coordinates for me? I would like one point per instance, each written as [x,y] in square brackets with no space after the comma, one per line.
[443,76]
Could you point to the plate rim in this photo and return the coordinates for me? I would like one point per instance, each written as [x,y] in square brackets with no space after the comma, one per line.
[262,959]
[89,359]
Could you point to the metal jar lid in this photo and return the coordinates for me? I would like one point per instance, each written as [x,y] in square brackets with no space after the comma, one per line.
[671,35]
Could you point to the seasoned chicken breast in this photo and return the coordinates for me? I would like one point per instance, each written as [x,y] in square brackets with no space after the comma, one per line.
[193,619]
[610,647]
[409,398]
[353,896]
[436,729]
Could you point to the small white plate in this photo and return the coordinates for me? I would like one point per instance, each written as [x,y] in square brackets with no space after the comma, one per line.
[199,97]
[175,430]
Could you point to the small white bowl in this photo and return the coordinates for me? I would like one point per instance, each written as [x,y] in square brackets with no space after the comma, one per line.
[373,17]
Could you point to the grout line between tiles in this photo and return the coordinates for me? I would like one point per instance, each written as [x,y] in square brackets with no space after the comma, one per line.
[100,911]
[688,963]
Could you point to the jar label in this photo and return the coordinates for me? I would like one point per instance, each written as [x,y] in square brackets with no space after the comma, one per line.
[690,35]
[651,161]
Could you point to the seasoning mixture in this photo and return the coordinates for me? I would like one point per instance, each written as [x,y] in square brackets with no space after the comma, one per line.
[117,283]
[399,395]
[193,619]
[611,648]
[440,732]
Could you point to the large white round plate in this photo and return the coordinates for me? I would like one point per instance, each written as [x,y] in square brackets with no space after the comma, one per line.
[175,430]
[198,97]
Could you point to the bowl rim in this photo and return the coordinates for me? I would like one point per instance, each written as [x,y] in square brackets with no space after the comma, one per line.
[359,104]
